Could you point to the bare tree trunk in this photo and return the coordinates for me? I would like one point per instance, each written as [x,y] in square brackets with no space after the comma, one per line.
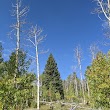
[35,33]
[19,14]
[78,55]
[17,46]
[82,84]
[38,72]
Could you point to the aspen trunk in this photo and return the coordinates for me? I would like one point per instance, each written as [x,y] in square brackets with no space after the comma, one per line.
[38,72]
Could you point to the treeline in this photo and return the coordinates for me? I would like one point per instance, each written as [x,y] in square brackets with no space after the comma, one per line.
[52,88]
[96,84]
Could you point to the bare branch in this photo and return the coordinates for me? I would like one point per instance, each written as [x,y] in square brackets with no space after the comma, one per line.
[93,50]
[31,42]
[31,56]
[23,12]
[103,8]
[43,52]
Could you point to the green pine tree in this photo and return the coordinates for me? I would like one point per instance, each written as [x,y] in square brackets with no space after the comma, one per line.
[52,76]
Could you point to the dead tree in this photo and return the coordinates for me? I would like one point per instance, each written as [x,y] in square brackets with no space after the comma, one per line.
[18,13]
[78,57]
[35,38]
[103,8]
[93,51]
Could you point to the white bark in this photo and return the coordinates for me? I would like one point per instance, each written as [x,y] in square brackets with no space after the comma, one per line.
[93,51]
[38,72]
[104,6]
[35,39]
[18,13]
[78,56]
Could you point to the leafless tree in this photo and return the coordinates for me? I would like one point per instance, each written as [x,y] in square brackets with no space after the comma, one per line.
[78,54]
[35,38]
[19,14]
[93,50]
[103,8]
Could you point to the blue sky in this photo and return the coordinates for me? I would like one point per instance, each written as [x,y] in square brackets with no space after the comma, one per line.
[67,23]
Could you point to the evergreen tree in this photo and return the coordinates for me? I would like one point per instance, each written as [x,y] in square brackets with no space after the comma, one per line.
[2,66]
[1,49]
[52,77]
[23,63]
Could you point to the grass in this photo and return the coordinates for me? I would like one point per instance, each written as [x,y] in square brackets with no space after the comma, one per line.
[59,106]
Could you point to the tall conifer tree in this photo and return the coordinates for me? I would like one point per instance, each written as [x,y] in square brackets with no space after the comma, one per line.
[52,76]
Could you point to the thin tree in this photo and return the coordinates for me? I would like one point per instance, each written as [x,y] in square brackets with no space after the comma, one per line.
[93,51]
[35,39]
[78,56]
[18,13]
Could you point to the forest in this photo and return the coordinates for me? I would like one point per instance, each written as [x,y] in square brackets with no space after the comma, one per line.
[22,89]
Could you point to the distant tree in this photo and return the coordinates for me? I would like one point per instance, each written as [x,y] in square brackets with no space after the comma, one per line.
[78,55]
[1,53]
[93,51]
[76,84]
[71,88]
[2,66]
[52,77]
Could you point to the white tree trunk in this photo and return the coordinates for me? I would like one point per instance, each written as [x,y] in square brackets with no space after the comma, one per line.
[38,71]
[35,38]
[82,84]
[78,55]
[17,46]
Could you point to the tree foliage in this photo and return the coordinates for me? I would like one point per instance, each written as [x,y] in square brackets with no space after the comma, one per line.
[52,80]
[16,98]
[98,74]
